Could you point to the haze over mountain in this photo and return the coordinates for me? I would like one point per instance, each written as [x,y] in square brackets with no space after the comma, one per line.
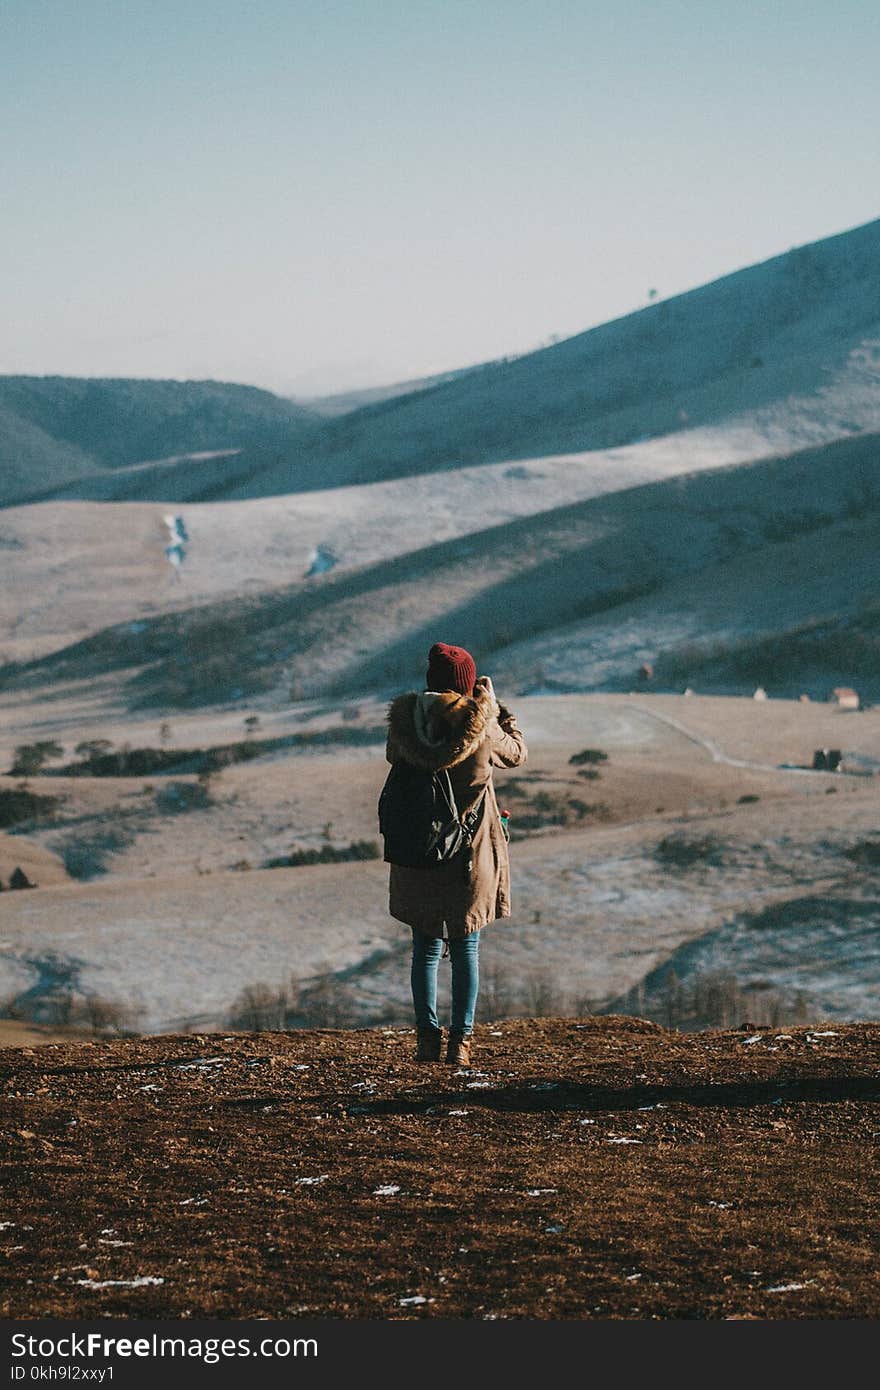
[344,402]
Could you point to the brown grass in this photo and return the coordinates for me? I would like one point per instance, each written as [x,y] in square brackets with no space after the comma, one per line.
[748,1187]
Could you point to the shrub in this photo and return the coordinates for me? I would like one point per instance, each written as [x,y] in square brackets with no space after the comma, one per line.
[19,804]
[588,755]
[327,854]
[680,852]
[86,856]
[866,852]
[180,797]
[30,757]
[713,1000]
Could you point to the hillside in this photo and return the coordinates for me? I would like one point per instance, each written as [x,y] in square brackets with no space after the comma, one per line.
[54,429]
[787,349]
[590,1168]
[702,845]
[344,402]
[32,461]
[777,357]
[368,629]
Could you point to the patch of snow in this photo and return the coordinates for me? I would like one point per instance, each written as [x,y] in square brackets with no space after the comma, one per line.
[414,1298]
[390,1189]
[138,1283]
[308,1182]
[622,1139]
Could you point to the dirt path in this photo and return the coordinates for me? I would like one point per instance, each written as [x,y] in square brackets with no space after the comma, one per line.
[714,749]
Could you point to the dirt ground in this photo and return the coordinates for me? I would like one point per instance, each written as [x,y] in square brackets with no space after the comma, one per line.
[593,1168]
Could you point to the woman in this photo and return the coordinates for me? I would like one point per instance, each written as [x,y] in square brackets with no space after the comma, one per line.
[456,723]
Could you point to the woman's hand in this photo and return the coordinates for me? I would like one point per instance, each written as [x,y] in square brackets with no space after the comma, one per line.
[485,683]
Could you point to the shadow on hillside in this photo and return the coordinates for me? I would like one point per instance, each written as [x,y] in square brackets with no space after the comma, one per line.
[572,563]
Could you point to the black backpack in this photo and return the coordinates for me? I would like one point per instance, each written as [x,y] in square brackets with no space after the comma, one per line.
[419,820]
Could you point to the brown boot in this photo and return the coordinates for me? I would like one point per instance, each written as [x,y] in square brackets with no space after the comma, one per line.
[428,1043]
[458,1050]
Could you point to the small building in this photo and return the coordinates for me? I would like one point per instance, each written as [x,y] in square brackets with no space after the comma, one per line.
[844,697]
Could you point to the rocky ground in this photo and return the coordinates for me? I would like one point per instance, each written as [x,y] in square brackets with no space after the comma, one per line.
[590,1168]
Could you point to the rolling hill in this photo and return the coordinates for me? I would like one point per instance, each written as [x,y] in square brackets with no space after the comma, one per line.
[622,568]
[760,397]
[789,349]
[781,356]
[54,430]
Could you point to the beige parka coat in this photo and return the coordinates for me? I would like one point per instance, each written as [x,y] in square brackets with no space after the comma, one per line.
[469,735]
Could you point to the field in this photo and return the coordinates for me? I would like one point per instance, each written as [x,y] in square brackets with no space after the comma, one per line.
[700,856]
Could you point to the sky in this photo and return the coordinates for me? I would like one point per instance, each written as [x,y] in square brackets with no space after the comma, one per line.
[317,197]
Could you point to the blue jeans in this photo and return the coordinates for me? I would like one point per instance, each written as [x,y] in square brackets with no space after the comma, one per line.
[464,957]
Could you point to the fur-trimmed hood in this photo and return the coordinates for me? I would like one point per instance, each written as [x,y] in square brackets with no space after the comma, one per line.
[435,729]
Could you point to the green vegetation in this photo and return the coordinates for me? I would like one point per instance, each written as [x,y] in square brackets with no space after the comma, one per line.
[327,854]
[31,757]
[865,852]
[99,759]
[19,805]
[684,852]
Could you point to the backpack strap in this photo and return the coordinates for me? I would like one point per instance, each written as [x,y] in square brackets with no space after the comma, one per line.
[471,820]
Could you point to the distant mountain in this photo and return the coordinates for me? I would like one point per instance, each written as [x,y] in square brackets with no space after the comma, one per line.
[789,348]
[784,355]
[31,461]
[57,429]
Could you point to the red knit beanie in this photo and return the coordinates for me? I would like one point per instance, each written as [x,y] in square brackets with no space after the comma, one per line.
[451,668]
